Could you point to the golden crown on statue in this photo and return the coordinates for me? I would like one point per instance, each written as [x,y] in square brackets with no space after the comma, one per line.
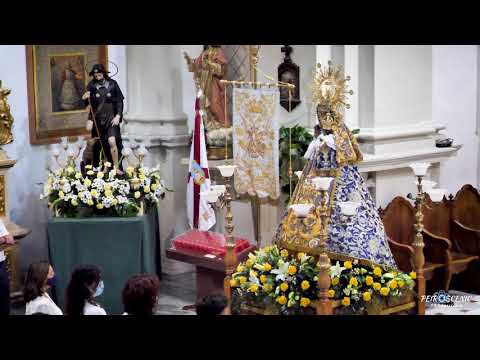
[330,88]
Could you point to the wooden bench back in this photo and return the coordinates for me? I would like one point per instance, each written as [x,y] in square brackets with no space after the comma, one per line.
[466,207]
[398,220]
[436,217]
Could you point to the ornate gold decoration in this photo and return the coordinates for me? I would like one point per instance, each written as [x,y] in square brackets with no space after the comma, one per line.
[6,118]
[330,89]
[2,195]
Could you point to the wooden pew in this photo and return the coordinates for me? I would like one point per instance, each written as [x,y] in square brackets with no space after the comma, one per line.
[399,219]
[465,220]
[437,238]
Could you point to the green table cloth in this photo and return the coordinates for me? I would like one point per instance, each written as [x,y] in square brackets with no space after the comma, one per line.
[121,247]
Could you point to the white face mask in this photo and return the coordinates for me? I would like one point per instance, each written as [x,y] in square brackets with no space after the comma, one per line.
[99,290]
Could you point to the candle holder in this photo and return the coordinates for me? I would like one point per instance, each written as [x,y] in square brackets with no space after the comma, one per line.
[348,209]
[71,152]
[420,170]
[221,196]
[134,155]
[323,305]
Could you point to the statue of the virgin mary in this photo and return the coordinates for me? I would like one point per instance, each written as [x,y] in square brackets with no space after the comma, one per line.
[334,153]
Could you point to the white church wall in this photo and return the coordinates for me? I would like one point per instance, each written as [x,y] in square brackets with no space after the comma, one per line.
[454,97]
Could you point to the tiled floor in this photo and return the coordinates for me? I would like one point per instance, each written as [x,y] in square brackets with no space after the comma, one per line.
[178,291]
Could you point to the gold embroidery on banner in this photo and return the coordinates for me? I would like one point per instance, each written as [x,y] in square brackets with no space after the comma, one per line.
[255,140]
[2,195]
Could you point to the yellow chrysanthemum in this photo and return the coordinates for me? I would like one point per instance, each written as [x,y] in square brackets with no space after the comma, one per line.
[70,170]
[393,284]
[331,293]
[305,285]
[267,288]
[335,281]
[154,187]
[107,164]
[253,273]
[87,182]
[253,288]
[304,302]
[282,300]
[130,170]
[146,189]
[100,175]
[377,271]
[242,280]
[61,194]
[413,275]
[94,192]
[233,283]
[377,286]
[401,283]
[100,206]
[88,166]
[384,291]
[141,176]
[369,280]
[90,172]
[263,279]
[367,296]
[346,301]
[108,193]
[284,253]
[267,267]
[78,175]
[114,202]
[74,202]
[240,268]
[90,202]
[249,263]
[284,286]
[353,281]
[347,264]
[300,255]
[137,194]
[292,269]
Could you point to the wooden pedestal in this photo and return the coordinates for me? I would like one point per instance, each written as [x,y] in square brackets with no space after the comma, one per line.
[210,271]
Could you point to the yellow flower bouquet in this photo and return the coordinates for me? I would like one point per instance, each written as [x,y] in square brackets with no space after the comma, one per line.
[274,278]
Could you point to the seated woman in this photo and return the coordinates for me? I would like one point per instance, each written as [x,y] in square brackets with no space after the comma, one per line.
[140,295]
[335,153]
[85,285]
[40,277]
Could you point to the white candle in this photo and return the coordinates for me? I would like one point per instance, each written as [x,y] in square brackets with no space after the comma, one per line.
[420,169]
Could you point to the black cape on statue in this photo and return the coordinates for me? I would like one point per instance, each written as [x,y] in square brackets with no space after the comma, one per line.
[106,100]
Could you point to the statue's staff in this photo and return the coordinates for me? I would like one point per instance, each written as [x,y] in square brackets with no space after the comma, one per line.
[99,136]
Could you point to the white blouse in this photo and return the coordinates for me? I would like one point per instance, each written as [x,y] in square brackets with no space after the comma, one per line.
[43,304]
[91,309]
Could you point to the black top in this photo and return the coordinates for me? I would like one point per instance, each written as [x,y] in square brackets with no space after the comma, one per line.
[106,99]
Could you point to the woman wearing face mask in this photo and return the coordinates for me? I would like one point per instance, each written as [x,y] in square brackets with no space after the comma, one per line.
[40,278]
[85,285]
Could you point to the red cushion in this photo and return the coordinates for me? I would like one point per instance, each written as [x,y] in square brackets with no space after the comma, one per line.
[207,242]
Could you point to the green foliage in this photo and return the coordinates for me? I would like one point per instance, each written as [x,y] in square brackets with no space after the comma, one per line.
[301,138]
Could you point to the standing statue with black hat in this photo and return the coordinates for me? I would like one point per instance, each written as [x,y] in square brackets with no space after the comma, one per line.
[105,99]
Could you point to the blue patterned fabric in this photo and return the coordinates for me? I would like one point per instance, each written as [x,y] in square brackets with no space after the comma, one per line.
[361,236]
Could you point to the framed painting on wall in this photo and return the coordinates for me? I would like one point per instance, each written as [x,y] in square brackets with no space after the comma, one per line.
[57,77]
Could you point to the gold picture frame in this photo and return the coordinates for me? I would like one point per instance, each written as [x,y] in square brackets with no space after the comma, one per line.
[57,77]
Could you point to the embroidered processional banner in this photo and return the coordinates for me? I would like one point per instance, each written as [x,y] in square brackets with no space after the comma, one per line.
[255,141]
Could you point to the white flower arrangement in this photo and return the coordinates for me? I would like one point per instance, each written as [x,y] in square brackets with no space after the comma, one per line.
[102,190]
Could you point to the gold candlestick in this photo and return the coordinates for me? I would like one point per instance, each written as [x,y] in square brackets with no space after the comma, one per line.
[418,245]
[230,258]
[324,306]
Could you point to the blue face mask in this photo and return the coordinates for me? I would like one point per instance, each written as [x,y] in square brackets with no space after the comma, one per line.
[52,281]
[99,290]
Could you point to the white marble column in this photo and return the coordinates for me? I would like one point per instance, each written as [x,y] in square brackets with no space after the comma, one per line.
[155,116]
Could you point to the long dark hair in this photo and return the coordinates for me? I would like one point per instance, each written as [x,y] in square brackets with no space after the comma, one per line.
[35,281]
[77,289]
[140,293]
